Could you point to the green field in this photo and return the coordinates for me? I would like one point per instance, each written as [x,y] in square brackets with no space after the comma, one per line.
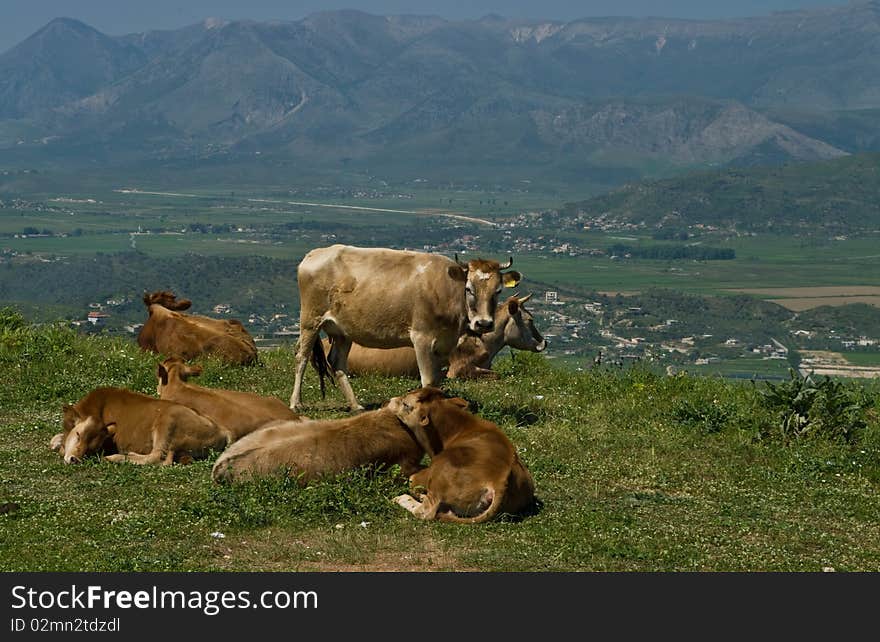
[634,472]
[863,358]
[761,261]
[743,368]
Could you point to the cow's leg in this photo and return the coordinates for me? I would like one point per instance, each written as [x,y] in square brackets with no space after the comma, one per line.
[57,443]
[153,457]
[429,363]
[307,338]
[426,509]
[338,360]
[163,430]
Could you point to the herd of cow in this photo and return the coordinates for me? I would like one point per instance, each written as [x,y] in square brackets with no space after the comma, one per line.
[389,311]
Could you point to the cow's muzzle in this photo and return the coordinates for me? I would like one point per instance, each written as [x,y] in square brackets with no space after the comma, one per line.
[482,325]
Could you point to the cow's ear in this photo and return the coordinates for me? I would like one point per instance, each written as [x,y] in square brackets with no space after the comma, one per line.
[458,401]
[424,420]
[511,278]
[183,304]
[162,374]
[456,273]
[513,307]
[69,410]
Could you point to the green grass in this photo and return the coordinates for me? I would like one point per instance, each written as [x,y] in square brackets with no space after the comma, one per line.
[634,472]
[742,367]
[863,358]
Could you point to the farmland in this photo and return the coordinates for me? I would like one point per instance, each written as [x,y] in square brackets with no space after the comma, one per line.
[169,235]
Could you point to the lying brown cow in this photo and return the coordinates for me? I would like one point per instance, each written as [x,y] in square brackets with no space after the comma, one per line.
[169,332]
[472,357]
[475,472]
[311,449]
[136,427]
[238,412]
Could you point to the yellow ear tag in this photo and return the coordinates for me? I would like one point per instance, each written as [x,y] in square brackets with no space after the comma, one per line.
[510,279]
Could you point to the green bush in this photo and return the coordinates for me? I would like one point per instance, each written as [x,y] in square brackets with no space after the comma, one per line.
[806,406]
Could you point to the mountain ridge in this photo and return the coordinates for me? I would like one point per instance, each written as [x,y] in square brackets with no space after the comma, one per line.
[340,85]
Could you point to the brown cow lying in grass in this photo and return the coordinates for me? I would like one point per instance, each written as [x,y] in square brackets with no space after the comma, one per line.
[472,357]
[238,412]
[135,427]
[310,449]
[475,473]
[186,336]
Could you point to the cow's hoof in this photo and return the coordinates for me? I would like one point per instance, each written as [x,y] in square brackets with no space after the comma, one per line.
[407,502]
[56,442]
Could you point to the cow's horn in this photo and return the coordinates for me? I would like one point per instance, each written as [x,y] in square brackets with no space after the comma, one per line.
[460,264]
[526,298]
[508,264]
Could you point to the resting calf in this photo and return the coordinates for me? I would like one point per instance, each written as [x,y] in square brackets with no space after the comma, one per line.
[309,449]
[138,428]
[238,412]
[474,474]
[170,332]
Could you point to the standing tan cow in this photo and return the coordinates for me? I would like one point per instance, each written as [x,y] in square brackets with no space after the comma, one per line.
[169,332]
[472,357]
[382,298]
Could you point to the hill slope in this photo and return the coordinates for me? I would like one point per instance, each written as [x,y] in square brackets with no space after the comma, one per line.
[837,195]
[634,472]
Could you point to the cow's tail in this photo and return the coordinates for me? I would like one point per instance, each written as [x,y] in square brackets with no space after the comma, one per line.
[321,365]
[494,495]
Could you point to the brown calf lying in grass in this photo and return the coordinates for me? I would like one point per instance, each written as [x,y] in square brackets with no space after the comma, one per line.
[170,332]
[474,473]
[136,427]
[238,412]
[310,449]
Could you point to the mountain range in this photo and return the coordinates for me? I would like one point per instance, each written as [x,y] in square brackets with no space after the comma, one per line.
[602,99]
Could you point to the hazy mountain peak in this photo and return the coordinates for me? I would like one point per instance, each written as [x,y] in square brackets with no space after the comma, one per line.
[594,93]
[537,33]
[214,23]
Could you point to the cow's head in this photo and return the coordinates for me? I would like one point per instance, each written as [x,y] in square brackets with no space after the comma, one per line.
[167,300]
[520,331]
[83,435]
[419,409]
[484,281]
[174,369]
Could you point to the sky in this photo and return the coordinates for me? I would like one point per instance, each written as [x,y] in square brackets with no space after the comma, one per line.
[21,18]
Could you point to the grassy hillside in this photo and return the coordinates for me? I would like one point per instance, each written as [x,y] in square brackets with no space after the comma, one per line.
[839,195]
[635,472]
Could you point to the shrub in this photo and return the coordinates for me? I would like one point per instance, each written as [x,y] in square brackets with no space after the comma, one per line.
[805,406]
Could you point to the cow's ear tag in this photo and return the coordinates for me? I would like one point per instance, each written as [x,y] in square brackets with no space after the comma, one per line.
[510,279]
